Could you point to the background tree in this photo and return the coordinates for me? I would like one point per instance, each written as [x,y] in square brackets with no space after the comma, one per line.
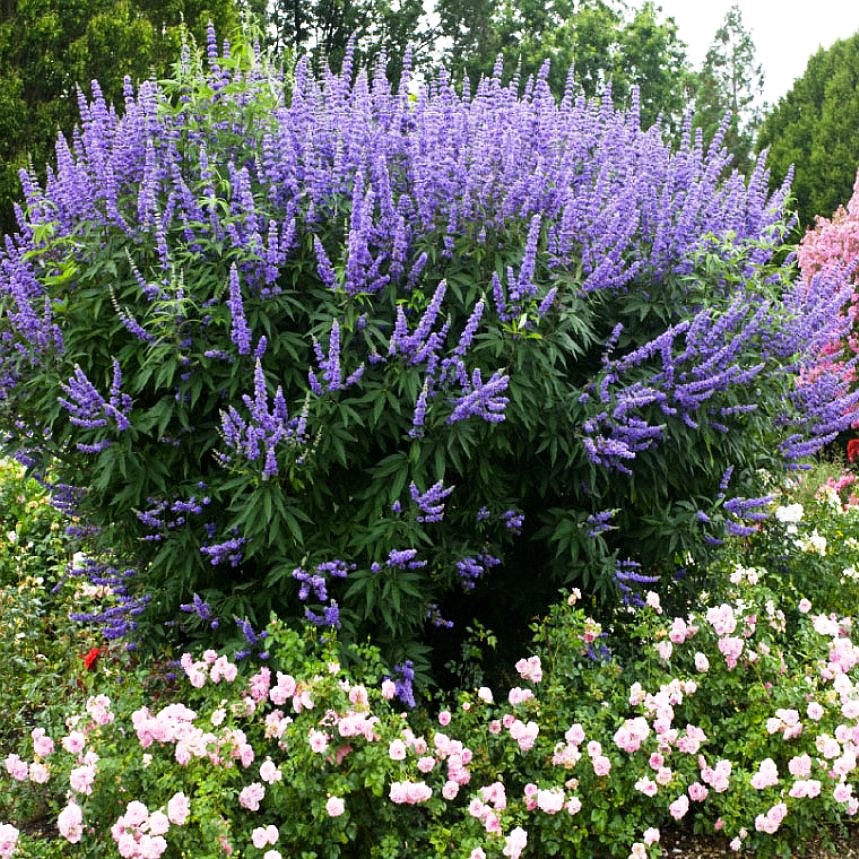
[48,47]
[731,81]
[322,29]
[815,127]
[596,37]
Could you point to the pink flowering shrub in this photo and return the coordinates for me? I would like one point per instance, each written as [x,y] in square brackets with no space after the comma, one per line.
[833,243]
[740,719]
[757,741]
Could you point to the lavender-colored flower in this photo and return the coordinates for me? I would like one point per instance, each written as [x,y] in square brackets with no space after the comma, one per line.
[513,521]
[431,502]
[240,334]
[435,618]
[600,522]
[483,400]
[403,685]
[404,559]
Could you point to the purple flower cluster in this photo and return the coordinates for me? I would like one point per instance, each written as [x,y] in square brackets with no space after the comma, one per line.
[626,571]
[481,399]
[513,521]
[403,684]
[435,618]
[117,619]
[199,607]
[267,428]
[335,210]
[164,516]
[330,615]
[317,583]
[431,502]
[600,522]
[717,351]
[332,373]
[88,409]
[401,559]
[470,569]
[229,551]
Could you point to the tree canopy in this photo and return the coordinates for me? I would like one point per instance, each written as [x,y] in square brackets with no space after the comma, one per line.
[321,29]
[594,37]
[815,128]
[731,82]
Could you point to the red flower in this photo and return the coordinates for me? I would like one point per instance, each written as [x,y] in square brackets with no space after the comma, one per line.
[90,658]
[853,450]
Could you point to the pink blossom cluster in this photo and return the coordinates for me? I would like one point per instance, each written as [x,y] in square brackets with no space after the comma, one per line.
[174,724]
[525,734]
[681,631]
[773,818]
[833,245]
[409,792]
[719,776]
[263,836]
[722,619]
[515,843]
[766,776]
[517,695]
[785,722]
[567,754]
[287,688]
[212,667]
[631,734]
[139,833]
[530,669]
[99,710]
[251,796]
[8,840]
[487,807]
[70,823]
[43,745]
[670,757]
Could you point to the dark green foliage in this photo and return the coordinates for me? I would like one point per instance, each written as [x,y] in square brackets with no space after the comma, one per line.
[322,29]
[815,129]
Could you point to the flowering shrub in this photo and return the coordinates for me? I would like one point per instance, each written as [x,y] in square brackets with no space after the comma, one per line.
[809,540]
[352,354]
[833,244]
[31,539]
[742,717]
[40,647]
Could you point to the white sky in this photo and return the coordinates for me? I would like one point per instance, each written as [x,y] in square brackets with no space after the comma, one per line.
[785,32]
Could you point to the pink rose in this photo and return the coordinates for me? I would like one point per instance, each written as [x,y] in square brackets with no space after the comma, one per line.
[602,765]
[679,807]
[515,843]
[269,772]
[42,744]
[178,809]
[251,796]
[397,750]
[16,767]
[70,823]
[389,689]
[9,840]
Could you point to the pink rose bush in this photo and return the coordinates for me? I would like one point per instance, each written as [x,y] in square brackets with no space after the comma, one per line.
[832,245]
[556,770]
[747,726]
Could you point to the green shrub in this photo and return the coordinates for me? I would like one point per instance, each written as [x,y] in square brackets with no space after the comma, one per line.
[391,362]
